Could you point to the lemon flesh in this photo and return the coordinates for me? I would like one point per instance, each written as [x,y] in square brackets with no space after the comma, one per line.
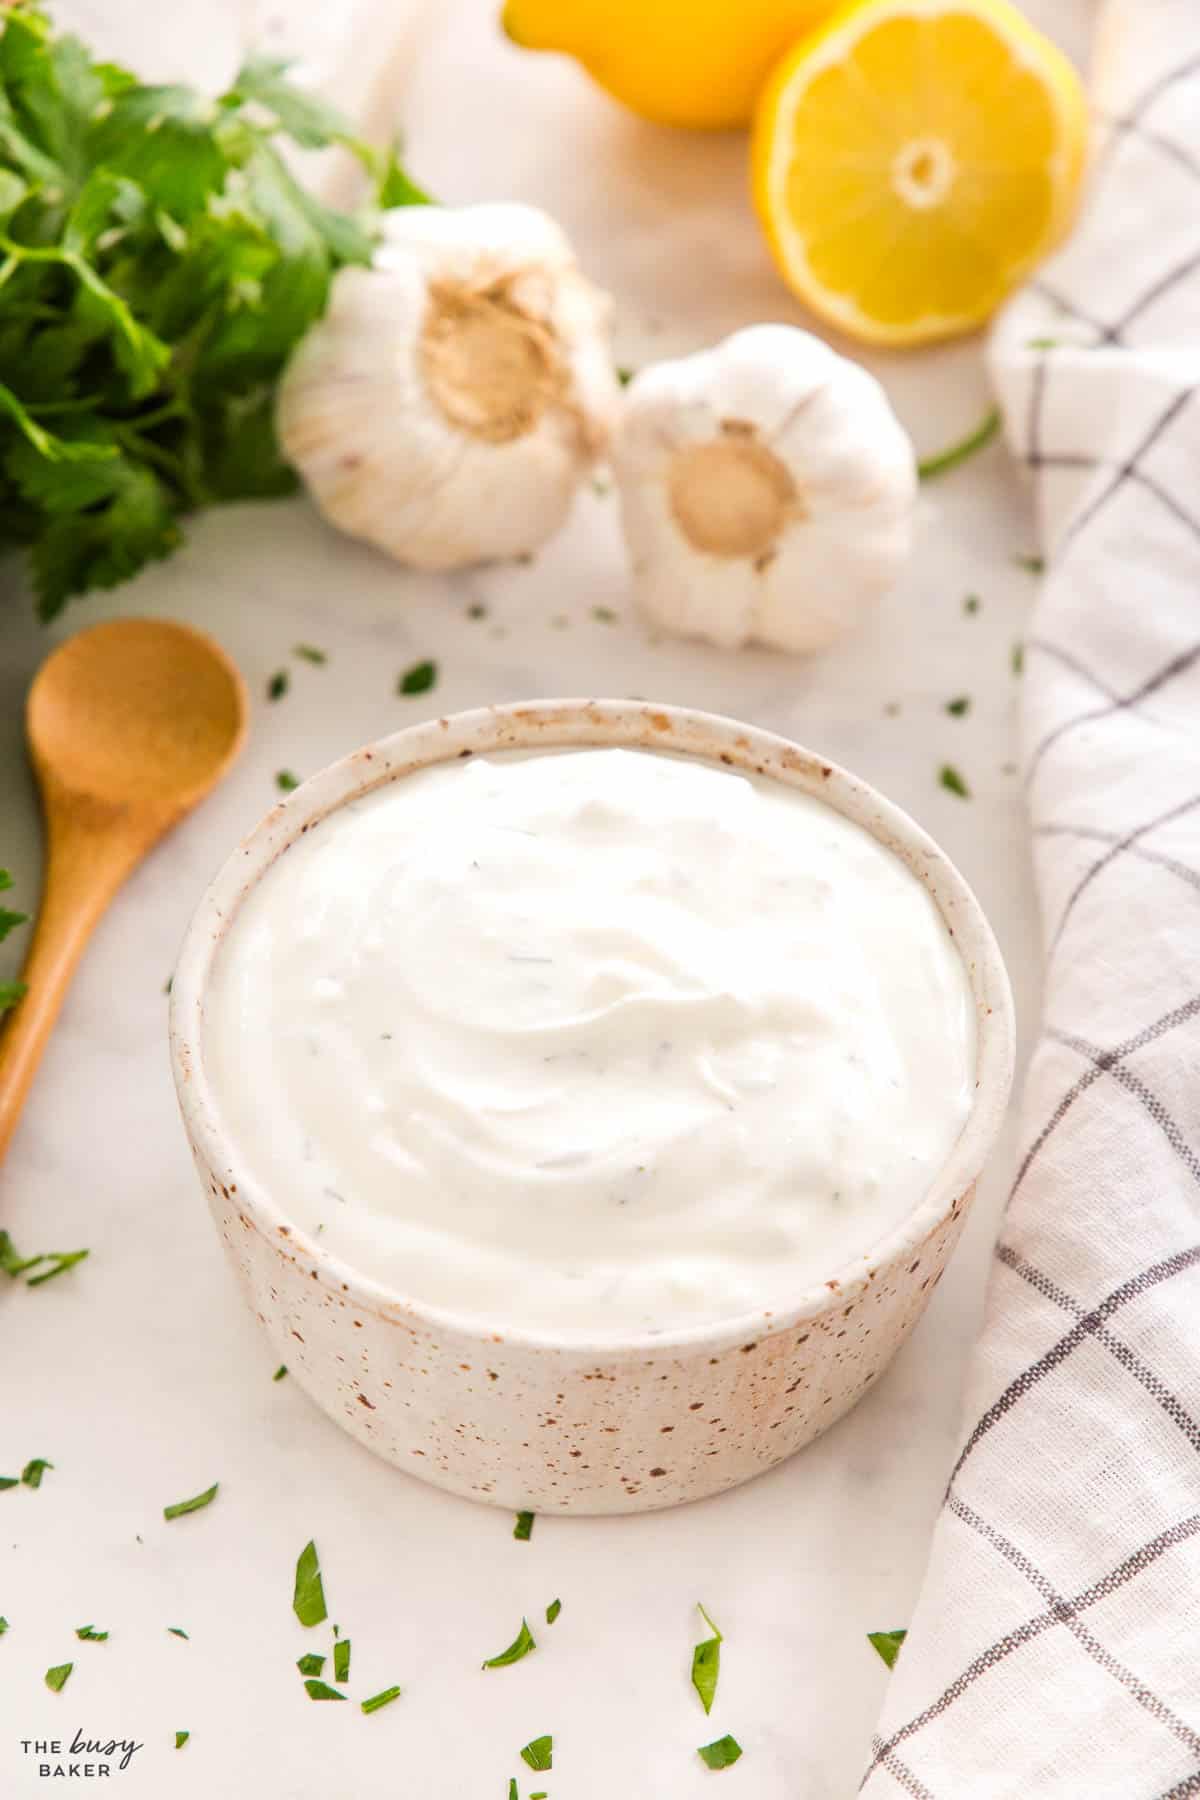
[913,160]
[679,62]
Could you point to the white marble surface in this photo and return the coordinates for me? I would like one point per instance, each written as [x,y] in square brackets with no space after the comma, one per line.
[142,1376]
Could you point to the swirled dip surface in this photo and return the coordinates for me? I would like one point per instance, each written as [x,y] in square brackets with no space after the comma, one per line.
[591,1040]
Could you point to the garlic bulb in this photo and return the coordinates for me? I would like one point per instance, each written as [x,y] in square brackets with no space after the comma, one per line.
[766,489]
[450,400]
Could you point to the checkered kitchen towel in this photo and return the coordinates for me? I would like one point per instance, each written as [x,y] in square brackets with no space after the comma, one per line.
[1055,1651]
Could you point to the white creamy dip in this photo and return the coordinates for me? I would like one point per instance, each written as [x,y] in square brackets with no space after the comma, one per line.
[591,1040]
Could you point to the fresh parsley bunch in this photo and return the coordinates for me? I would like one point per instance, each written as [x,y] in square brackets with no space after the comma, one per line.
[158,262]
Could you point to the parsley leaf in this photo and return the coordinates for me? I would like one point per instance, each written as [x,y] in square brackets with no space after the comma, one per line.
[521,1645]
[56,1679]
[523,1529]
[181,1738]
[9,1481]
[3,1625]
[33,1471]
[280,1372]
[552,1611]
[953,782]
[308,120]
[195,1504]
[309,653]
[312,1664]
[177,1631]
[8,920]
[722,1754]
[278,685]
[958,707]
[393,187]
[308,1598]
[89,1635]
[379,1700]
[706,1663]
[341,1660]
[286,782]
[539,1754]
[887,1644]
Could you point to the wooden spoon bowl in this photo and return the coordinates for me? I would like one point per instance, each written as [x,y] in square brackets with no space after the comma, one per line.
[129,724]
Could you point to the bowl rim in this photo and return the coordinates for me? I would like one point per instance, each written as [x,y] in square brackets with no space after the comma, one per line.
[578,723]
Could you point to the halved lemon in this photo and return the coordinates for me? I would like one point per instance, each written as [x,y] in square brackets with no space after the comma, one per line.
[914,159]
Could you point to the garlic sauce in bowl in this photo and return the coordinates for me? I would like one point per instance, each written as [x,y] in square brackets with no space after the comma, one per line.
[588,1094]
[592,1042]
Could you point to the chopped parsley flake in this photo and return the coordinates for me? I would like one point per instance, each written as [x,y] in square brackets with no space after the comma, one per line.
[604,615]
[286,782]
[62,1260]
[56,1678]
[625,376]
[3,1626]
[309,653]
[15,1265]
[379,1700]
[512,1788]
[277,687]
[887,1644]
[341,1660]
[10,993]
[706,1663]
[1018,659]
[521,1645]
[417,680]
[953,782]
[308,1599]
[950,458]
[1033,565]
[320,1690]
[195,1504]
[9,1481]
[89,1635]
[971,603]
[280,1372]
[552,1611]
[959,706]
[523,1528]
[539,1753]
[312,1664]
[477,610]
[33,1471]
[181,1738]
[722,1754]
[177,1631]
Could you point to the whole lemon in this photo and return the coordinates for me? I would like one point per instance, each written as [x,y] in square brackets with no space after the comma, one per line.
[679,62]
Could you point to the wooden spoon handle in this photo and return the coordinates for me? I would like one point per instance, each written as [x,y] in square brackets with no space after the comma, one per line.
[87,860]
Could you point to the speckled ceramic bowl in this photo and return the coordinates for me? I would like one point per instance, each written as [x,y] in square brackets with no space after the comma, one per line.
[514,1417]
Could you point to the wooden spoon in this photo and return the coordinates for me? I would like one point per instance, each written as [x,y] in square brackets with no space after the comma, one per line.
[129,725]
